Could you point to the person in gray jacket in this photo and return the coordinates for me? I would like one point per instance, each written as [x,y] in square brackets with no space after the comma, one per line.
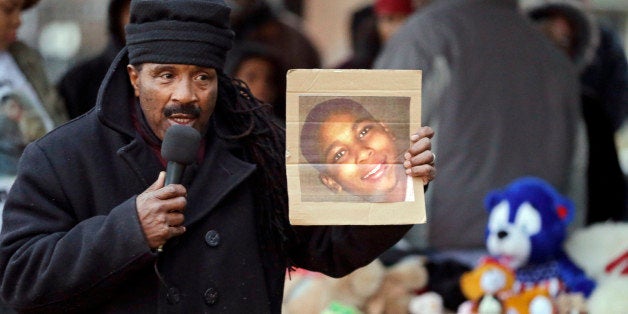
[504,103]
[91,228]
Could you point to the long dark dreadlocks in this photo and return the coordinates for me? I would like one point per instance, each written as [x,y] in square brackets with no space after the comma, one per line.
[249,121]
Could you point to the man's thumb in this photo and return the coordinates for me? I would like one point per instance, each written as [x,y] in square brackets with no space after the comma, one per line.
[159,183]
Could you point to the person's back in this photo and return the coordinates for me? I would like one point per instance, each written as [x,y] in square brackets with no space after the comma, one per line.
[504,103]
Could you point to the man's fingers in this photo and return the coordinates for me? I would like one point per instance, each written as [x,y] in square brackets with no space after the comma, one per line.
[175,231]
[159,183]
[417,147]
[427,173]
[423,132]
[175,218]
[170,191]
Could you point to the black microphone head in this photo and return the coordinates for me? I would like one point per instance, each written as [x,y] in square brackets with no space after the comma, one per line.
[180,144]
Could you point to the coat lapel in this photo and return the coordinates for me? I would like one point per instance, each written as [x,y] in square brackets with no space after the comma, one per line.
[220,173]
[141,160]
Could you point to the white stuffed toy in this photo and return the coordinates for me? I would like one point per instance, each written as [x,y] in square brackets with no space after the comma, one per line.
[601,250]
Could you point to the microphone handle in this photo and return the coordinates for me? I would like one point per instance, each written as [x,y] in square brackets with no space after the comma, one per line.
[174,172]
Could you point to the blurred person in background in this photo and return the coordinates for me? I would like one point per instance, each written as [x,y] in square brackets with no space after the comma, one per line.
[573,29]
[504,103]
[257,20]
[390,15]
[372,25]
[260,67]
[79,85]
[365,42]
[30,105]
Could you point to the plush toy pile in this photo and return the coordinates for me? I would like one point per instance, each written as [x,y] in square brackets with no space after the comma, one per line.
[371,289]
[534,267]
[602,251]
[525,236]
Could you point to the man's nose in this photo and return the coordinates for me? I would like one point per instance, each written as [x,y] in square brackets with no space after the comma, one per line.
[184,92]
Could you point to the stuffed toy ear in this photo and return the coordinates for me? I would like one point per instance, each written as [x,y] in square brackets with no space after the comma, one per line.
[492,199]
[564,208]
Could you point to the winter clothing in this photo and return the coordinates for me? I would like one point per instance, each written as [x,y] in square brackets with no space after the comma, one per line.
[29,106]
[191,32]
[73,241]
[32,65]
[502,100]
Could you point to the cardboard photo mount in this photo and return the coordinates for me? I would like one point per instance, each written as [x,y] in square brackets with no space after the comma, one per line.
[394,96]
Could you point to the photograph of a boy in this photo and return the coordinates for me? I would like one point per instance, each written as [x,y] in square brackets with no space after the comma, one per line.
[354,147]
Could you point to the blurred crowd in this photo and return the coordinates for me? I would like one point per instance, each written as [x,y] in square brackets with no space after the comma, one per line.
[512,88]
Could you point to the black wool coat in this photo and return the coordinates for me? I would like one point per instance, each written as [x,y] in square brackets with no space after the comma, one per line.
[72,241]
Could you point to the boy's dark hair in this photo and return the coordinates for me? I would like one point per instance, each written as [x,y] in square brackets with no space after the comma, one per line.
[317,116]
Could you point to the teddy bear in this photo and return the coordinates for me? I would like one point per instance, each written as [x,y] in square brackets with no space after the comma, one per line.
[372,289]
[525,232]
[402,290]
[489,290]
[314,293]
[601,250]
[486,287]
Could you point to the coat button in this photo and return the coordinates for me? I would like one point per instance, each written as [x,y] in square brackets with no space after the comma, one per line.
[173,296]
[211,296]
[212,238]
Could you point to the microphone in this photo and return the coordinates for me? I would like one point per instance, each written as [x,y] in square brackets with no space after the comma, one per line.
[179,148]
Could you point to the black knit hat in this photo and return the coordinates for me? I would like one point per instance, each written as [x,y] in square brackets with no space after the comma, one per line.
[179,32]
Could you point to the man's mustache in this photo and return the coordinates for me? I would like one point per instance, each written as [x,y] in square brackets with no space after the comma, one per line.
[187,109]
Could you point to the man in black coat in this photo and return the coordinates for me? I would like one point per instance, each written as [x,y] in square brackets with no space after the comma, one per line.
[90,227]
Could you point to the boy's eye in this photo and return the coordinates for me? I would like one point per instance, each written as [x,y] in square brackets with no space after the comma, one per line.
[339,155]
[364,131]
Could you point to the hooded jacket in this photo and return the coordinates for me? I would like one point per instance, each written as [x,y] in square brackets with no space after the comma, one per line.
[72,240]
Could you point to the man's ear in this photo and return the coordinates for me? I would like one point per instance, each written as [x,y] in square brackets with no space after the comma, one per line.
[330,183]
[134,76]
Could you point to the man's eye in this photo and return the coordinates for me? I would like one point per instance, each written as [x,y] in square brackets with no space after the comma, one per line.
[204,77]
[364,131]
[166,76]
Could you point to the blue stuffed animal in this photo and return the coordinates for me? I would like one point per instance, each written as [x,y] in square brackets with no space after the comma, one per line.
[526,229]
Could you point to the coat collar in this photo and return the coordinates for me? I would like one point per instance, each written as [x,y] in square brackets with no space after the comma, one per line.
[114,100]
